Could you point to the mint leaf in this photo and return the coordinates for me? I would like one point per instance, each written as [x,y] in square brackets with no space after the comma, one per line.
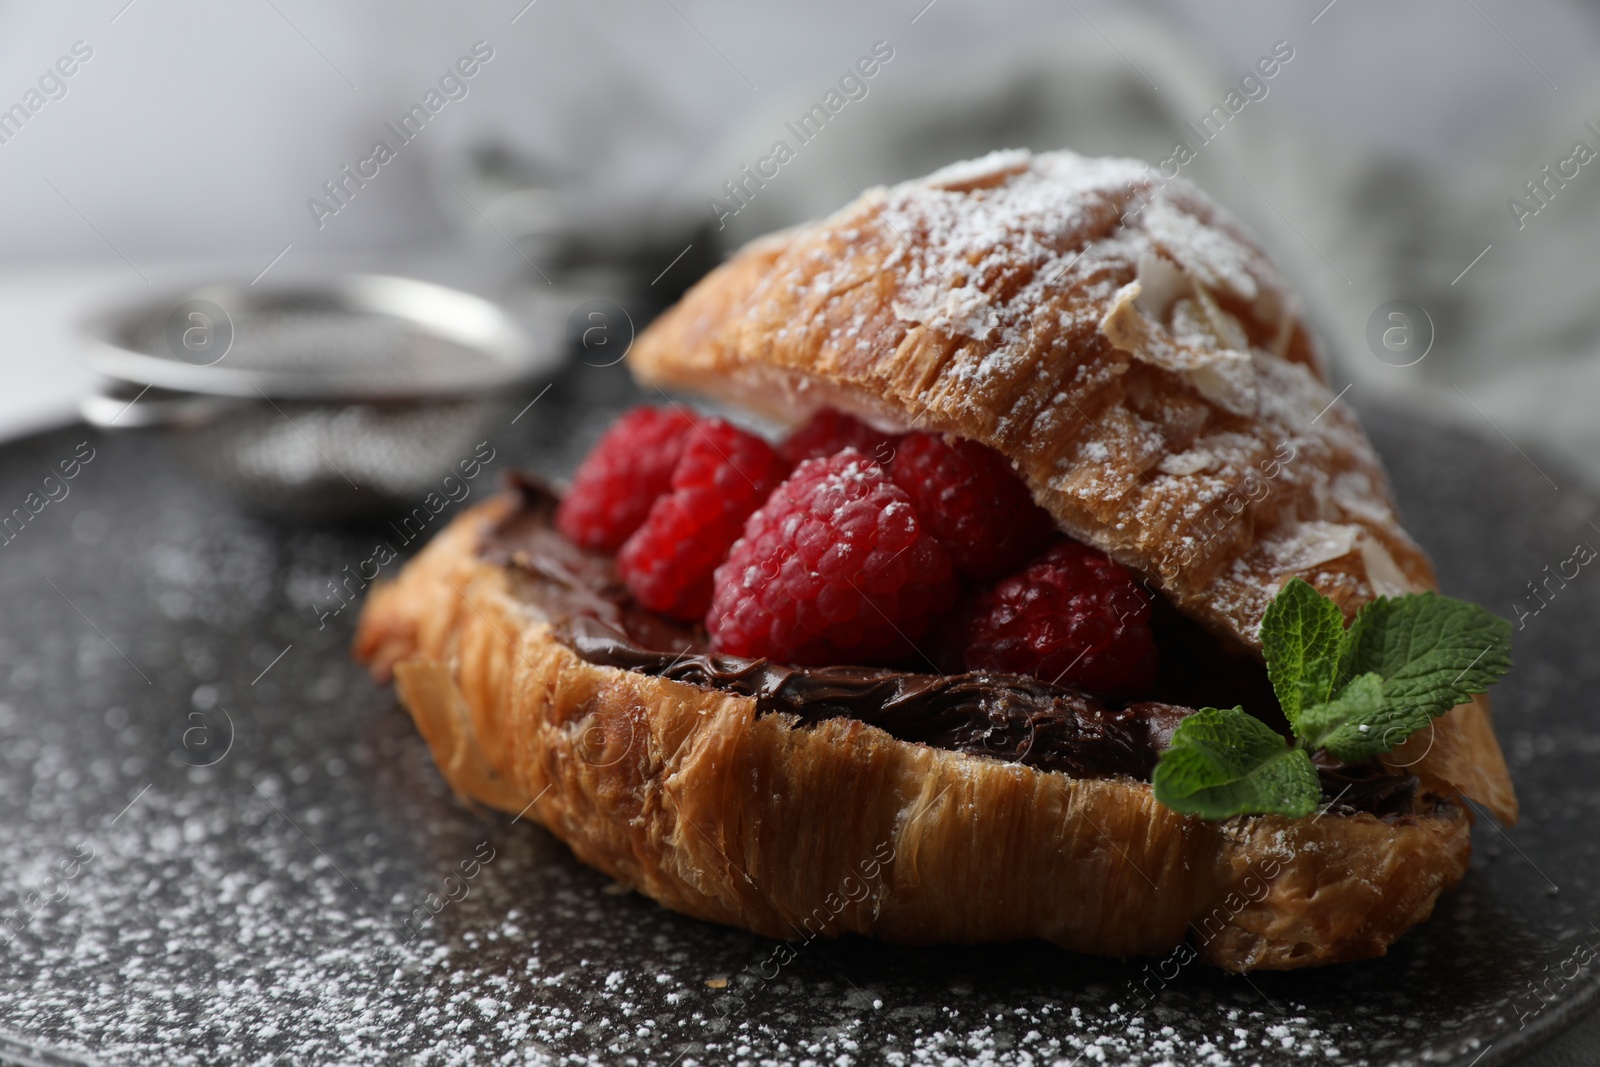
[1432,652]
[1392,724]
[1302,637]
[1353,725]
[1223,762]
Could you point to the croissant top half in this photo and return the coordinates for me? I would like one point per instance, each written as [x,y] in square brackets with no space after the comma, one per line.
[1125,343]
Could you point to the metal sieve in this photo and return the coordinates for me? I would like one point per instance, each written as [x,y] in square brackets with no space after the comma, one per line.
[314,400]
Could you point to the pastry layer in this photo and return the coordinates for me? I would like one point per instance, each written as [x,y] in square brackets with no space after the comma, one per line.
[790,829]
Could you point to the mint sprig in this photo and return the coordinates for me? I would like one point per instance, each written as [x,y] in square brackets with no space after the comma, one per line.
[1354,693]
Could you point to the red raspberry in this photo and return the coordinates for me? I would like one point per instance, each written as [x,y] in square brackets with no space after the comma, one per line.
[972,501]
[723,475]
[615,485]
[835,568]
[1071,617]
[831,431]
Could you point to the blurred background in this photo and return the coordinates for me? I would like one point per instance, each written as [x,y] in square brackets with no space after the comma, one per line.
[1381,164]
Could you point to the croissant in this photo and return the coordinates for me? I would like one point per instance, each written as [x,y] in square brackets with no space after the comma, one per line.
[1141,364]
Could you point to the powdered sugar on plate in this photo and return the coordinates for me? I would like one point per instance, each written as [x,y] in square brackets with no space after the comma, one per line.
[255,910]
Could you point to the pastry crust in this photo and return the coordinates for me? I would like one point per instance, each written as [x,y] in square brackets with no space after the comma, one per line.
[1128,347]
[691,797]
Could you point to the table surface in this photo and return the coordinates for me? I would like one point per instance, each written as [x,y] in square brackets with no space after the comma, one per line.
[247,820]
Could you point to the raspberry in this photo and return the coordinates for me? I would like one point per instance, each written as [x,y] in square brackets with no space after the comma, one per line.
[723,475]
[1071,617]
[835,568]
[972,501]
[831,431]
[615,485]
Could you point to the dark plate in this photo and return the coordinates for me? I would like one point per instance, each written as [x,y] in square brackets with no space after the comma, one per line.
[251,910]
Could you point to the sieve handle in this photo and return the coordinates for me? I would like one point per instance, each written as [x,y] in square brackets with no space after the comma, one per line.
[125,406]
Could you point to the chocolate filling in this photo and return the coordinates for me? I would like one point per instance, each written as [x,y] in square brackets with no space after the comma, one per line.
[1002,716]
[1009,717]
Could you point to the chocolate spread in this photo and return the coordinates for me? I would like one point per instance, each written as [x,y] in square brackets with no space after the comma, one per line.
[1009,717]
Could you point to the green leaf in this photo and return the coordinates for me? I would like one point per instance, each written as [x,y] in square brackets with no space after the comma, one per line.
[1393,724]
[1432,652]
[1302,637]
[1355,725]
[1223,762]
